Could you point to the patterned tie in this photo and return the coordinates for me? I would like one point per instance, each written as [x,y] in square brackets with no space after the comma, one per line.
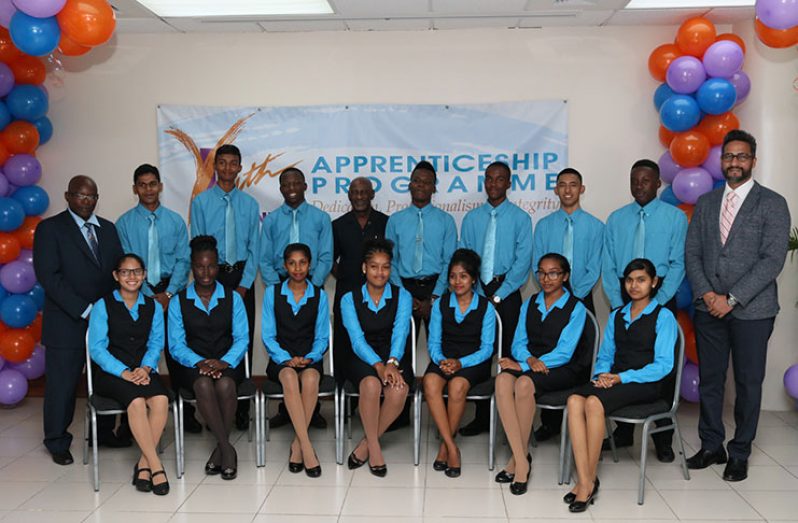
[727,216]
[568,241]
[489,250]
[640,236]
[95,247]
[229,232]
[153,253]
[294,227]
[418,258]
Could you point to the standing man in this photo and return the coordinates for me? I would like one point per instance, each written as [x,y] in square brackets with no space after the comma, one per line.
[579,236]
[160,237]
[736,247]
[233,218]
[74,255]
[501,232]
[646,228]
[295,221]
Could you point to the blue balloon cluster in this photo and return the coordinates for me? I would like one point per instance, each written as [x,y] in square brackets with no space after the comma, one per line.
[27,102]
[34,36]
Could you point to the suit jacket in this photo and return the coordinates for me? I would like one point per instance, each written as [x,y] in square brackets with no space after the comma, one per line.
[753,256]
[71,277]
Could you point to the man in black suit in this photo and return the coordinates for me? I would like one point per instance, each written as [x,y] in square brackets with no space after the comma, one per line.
[74,254]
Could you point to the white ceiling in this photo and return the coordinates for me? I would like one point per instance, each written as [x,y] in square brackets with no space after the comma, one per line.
[404,15]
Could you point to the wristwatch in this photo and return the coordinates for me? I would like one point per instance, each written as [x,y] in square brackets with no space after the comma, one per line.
[731,301]
[393,361]
[495,299]
[169,294]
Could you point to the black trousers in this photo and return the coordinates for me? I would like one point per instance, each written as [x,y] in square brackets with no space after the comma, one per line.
[232,280]
[746,341]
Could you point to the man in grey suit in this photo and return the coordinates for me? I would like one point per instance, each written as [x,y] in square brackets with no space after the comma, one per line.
[736,247]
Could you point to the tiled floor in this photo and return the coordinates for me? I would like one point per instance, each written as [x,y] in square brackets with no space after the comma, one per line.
[33,489]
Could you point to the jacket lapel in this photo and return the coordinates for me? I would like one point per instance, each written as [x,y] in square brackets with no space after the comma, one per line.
[76,236]
[745,212]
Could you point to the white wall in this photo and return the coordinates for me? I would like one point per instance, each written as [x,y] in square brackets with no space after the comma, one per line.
[105,118]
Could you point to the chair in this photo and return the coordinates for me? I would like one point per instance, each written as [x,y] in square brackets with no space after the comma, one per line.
[349,390]
[480,392]
[646,414]
[97,405]
[272,390]
[247,390]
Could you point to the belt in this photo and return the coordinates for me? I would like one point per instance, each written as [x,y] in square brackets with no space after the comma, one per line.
[496,279]
[161,286]
[237,266]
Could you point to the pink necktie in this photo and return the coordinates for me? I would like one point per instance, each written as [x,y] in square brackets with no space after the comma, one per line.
[727,216]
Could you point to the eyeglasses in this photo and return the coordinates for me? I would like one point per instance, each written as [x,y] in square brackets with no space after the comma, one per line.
[130,272]
[84,197]
[553,275]
[741,157]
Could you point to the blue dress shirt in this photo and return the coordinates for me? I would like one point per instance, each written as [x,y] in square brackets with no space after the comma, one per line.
[666,231]
[133,228]
[401,323]
[513,254]
[440,242]
[178,347]
[207,217]
[567,342]
[268,324]
[588,243]
[485,351]
[663,346]
[98,337]
[315,231]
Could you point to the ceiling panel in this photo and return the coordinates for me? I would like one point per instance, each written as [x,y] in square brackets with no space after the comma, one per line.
[728,15]
[303,25]
[131,9]
[192,25]
[474,22]
[381,24]
[653,16]
[143,25]
[467,7]
[380,8]
[572,19]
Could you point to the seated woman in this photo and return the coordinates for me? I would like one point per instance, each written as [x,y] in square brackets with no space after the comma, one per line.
[377,318]
[545,359]
[208,337]
[296,330]
[634,365]
[461,335]
[125,342]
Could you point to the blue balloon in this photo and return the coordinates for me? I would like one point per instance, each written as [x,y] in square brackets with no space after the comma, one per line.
[18,311]
[684,295]
[718,184]
[33,199]
[45,128]
[27,102]
[662,93]
[34,36]
[716,96]
[667,196]
[679,113]
[11,214]
[5,115]
[37,295]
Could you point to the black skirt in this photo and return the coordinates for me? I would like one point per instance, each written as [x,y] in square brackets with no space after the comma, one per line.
[186,376]
[559,378]
[273,370]
[358,369]
[475,375]
[124,391]
[621,395]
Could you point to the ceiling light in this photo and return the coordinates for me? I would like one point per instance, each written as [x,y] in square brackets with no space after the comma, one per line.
[687,4]
[208,8]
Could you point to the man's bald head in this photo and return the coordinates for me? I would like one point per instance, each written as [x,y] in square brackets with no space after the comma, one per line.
[361,192]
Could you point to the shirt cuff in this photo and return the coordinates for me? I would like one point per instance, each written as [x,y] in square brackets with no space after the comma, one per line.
[87,311]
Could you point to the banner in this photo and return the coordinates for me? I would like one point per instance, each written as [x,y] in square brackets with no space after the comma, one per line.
[334,144]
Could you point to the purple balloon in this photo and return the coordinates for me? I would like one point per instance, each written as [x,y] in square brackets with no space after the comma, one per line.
[13,386]
[777,14]
[690,381]
[688,185]
[17,277]
[712,163]
[26,255]
[40,8]
[3,185]
[6,79]
[791,381]
[742,86]
[723,59]
[668,169]
[685,74]
[33,367]
[11,188]
[7,10]
[22,170]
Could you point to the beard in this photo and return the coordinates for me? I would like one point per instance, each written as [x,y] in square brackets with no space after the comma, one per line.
[736,175]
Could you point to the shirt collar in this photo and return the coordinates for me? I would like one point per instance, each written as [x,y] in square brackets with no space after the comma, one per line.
[499,208]
[289,294]
[387,294]
[651,207]
[218,293]
[220,193]
[139,300]
[287,209]
[627,310]
[471,306]
[560,303]
[574,215]
[741,191]
[424,210]
[146,212]
[81,222]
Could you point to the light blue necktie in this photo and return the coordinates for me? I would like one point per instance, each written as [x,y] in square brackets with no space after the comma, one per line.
[568,241]
[294,227]
[229,232]
[418,258]
[489,250]
[640,236]
[153,253]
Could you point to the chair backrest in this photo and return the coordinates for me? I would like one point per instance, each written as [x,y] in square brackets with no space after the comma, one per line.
[88,367]
[596,335]
[679,364]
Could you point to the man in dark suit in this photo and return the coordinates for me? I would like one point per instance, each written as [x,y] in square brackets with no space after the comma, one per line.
[736,247]
[74,254]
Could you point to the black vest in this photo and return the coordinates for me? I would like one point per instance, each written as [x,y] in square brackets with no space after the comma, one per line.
[377,327]
[127,339]
[461,339]
[210,336]
[543,335]
[295,334]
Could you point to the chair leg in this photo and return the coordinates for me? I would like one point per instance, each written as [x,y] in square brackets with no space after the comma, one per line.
[266,420]
[563,444]
[417,427]
[95,456]
[339,450]
[178,447]
[685,470]
[612,441]
[492,434]
[641,489]
[256,421]
[181,441]
[348,416]
[86,435]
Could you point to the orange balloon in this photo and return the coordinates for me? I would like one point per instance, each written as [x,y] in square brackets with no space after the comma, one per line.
[687,208]
[28,70]
[666,136]
[732,38]
[778,38]
[68,47]
[690,349]
[20,137]
[3,327]
[690,148]
[689,335]
[695,36]
[87,22]
[24,234]
[8,51]
[35,328]
[16,345]
[660,58]
[9,247]
[717,126]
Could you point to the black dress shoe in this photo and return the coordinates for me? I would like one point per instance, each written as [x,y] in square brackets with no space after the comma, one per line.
[229,473]
[439,465]
[142,484]
[212,469]
[354,463]
[704,458]
[278,420]
[453,472]
[545,433]
[317,421]
[190,424]
[518,487]
[571,497]
[379,470]
[474,428]
[313,472]
[161,489]
[504,477]
[581,506]
[736,470]
[620,443]
[294,467]
[665,454]
[63,458]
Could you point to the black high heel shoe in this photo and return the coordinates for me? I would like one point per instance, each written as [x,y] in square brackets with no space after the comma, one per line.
[314,472]
[379,470]
[439,465]
[520,487]
[229,473]
[294,467]
[570,497]
[581,506]
[454,472]
[160,489]
[506,477]
[142,485]
[212,469]
[354,463]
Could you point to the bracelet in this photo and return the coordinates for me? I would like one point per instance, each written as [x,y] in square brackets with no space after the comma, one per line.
[394,362]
